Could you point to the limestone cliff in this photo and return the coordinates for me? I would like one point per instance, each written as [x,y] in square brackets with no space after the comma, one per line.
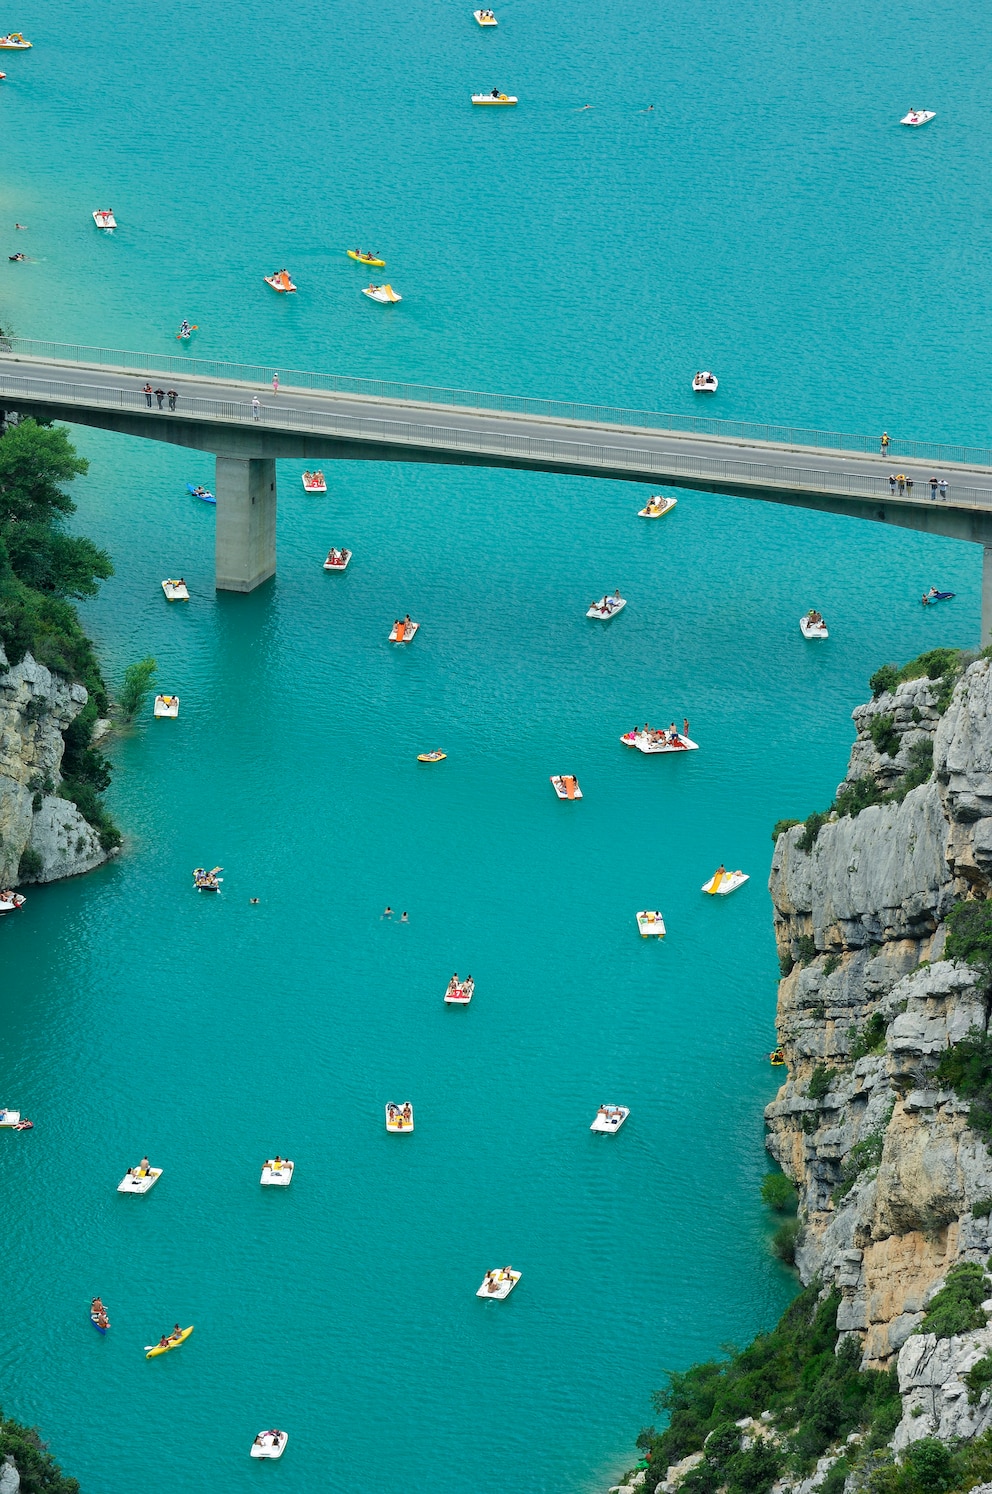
[894,1186]
[36,707]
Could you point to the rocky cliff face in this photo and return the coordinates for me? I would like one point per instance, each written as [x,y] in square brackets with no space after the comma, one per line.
[888,1171]
[36,707]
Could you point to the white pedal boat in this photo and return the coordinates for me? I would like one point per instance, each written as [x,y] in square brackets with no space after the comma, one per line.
[11,1118]
[650,922]
[14,42]
[314,482]
[494,98]
[167,705]
[609,1118]
[11,901]
[918,117]
[658,741]
[813,629]
[399,1117]
[280,281]
[657,508]
[485,18]
[337,560]
[382,293]
[459,993]
[566,786]
[104,218]
[607,607]
[176,591]
[705,383]
[403,632]
[270,1444]
[136,1181]
[723,882]
[499,1284]
[277,1173]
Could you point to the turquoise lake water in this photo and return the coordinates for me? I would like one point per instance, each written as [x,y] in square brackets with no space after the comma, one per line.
[769,220]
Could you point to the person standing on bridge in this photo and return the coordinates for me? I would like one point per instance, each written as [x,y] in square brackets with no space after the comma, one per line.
[172,396]
[933,489]
[943,487]
[275,383]
[885,442]
[147,392]
[255,407]
[892,483]
[160,396]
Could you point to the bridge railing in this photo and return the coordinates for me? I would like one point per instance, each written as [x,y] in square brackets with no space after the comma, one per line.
[258,375]
[549,452]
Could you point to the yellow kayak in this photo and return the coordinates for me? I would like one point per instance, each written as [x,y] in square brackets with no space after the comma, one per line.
[365,259]
[172,1344]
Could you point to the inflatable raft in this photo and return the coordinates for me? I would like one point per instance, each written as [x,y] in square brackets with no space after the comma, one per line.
[609,1118]
[650,922]
[176,591]
[167,705]
[337,560]
[279,281]
[566,786]
[499,1284]
[657,508]
[269,1444]
[277,1173]
[431,757]
[723,882]
[154,1350]
[403,632]
[104,218]
[136,1180]
[399,1117]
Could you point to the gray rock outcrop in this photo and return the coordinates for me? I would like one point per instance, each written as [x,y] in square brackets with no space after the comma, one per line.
[36,707]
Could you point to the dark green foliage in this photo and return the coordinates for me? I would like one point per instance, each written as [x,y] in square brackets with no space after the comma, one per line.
[814,823]
[933,1467]
[884,735]
[978,1378]
[982,1209]
[784,1241]
[820,1081]
[871,1036]
[30,864]
[810,1121]
[884,679]
[931,1464]
[957,1306]
[135,689]
[781,826]
[966,1067]
[815,1395]
[779,1193]
[785,963]
[805,949]
[830,964]
[854,797]
[40,1474]
[969,935]
[865,1154]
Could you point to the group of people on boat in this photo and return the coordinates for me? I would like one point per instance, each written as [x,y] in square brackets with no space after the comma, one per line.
[277,1164]
[609,1112]
[669,738]
[458,987]
[16,256]
[313,479]
[168,1339]
[494,1279]
[813,618]
[99,1314]
[207,881]
[400,1115]
[933,595]
[403,628]
[608,605]
[486,15]
[270,1438]
[336,557]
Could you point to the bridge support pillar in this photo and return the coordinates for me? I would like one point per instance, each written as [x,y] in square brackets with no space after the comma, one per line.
[986,596]
[246,523]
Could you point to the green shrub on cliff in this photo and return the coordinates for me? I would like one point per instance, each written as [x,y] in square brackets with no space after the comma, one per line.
[779,1192]
[966,1067]
[884,735]
[40,1474]
[957,1307]
[969,935]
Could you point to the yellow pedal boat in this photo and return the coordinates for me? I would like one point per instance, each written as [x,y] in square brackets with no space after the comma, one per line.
[365,259]
[173,1343]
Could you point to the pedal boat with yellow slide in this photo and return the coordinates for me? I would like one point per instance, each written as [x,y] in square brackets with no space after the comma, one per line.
[566,785]
[366,259]
[152,1351]
[650,923]
[279,281]
[431,757]
[657,507]
[723,882]
[494,99]
[139,1180]
[399,1117]
[277,1172]
[14,42]
[384,294]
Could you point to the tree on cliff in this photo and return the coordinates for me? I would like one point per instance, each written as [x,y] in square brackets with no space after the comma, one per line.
[40,1474]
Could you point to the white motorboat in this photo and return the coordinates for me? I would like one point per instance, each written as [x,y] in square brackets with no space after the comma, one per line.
[607,607]
[167,705]
[705,383]
[609,1118]
[277,1173]
[650,923]
[495,97]
[918,117]
[176,591]
[659,741]
[723,882]
[11,901]
[499,1284]
[399,1117]
[657,507]
[403,631]
[104,218]
[459,992]
[382,293]
[813,626]
[566,786]
[337,560]
[270,1444]
[139,1179]
[314,482]
[485,18]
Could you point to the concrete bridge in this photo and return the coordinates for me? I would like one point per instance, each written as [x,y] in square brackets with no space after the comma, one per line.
[232,411]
